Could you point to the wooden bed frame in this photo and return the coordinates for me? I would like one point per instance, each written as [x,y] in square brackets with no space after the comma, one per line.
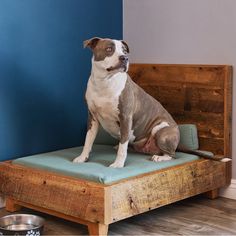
[199,94]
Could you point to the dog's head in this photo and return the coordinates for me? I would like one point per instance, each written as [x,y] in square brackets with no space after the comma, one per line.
[108,54]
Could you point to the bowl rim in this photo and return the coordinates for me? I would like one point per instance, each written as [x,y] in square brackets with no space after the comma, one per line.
[42,220]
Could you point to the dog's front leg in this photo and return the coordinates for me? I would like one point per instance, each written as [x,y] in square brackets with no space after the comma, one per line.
[92,131]
[125,131]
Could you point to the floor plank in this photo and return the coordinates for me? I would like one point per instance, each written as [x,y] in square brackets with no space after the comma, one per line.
[194,216]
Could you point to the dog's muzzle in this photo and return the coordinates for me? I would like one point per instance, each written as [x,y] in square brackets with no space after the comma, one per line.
[123,64]
[123,59]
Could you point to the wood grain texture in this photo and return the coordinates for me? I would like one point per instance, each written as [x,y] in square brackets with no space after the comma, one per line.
[12,206]
[97,229]
[154,190]
[86,201]
[70,196]
[213,194]
[228,112]
[93,228]
[198,94]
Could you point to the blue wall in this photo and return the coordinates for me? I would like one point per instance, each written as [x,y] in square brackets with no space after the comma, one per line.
[44,70]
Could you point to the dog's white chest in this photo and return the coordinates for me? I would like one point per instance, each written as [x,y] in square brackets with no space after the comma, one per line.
[103,100]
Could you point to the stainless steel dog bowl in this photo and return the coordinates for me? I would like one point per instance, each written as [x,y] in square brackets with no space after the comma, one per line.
[21,224]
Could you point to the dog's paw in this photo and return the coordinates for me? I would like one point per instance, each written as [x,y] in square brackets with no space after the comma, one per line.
[80,159]
[157,158]
[117,164]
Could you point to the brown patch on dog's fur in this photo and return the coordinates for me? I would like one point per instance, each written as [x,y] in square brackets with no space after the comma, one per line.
[100,52]
[91,43]
[99,47]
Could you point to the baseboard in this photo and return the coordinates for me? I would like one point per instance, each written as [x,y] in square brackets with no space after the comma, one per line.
[2,202]
[230,191]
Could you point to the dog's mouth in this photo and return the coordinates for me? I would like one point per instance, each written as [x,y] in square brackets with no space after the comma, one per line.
[120,67]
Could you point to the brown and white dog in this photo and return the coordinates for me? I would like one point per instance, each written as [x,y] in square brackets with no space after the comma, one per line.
[124,109]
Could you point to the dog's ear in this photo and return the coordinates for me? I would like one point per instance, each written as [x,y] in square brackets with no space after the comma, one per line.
[91,43]
[125,46]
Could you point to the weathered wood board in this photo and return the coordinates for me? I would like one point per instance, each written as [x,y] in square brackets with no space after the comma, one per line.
[195,94]
[70,196]
[157,189]
[86,201]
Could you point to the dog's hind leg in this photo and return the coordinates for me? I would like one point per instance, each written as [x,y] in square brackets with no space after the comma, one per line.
[167,139]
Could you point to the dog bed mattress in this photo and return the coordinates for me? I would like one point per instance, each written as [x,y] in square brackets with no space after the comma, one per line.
[97,168]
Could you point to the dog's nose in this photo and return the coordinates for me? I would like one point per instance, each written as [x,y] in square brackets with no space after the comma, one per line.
[123,58]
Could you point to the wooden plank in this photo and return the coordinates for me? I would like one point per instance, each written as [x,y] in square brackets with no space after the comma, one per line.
[203,121]
[213,194]
[66,195]
[151,191]
[190,179]
[195,94]
[12,206]
[93,228]
[193,74]
[228,112]
[213,145]
[188,98]
[97,229]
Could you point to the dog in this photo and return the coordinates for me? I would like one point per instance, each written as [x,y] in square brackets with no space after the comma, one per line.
[124,109]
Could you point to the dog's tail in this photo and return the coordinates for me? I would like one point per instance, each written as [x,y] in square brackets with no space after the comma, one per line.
[206,155]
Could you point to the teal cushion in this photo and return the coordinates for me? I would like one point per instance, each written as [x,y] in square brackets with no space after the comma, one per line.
[96,169]
[189,136]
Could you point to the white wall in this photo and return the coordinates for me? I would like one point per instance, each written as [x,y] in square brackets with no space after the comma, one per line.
[183,32]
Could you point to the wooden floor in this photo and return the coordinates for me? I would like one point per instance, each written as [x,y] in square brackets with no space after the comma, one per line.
[195,216]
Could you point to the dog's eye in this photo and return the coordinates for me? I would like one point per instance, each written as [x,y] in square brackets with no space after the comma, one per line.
[109,49]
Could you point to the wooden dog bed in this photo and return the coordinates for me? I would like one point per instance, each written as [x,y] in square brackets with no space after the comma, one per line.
[194,94]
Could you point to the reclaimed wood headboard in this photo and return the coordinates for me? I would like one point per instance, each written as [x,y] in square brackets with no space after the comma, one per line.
[193,94]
